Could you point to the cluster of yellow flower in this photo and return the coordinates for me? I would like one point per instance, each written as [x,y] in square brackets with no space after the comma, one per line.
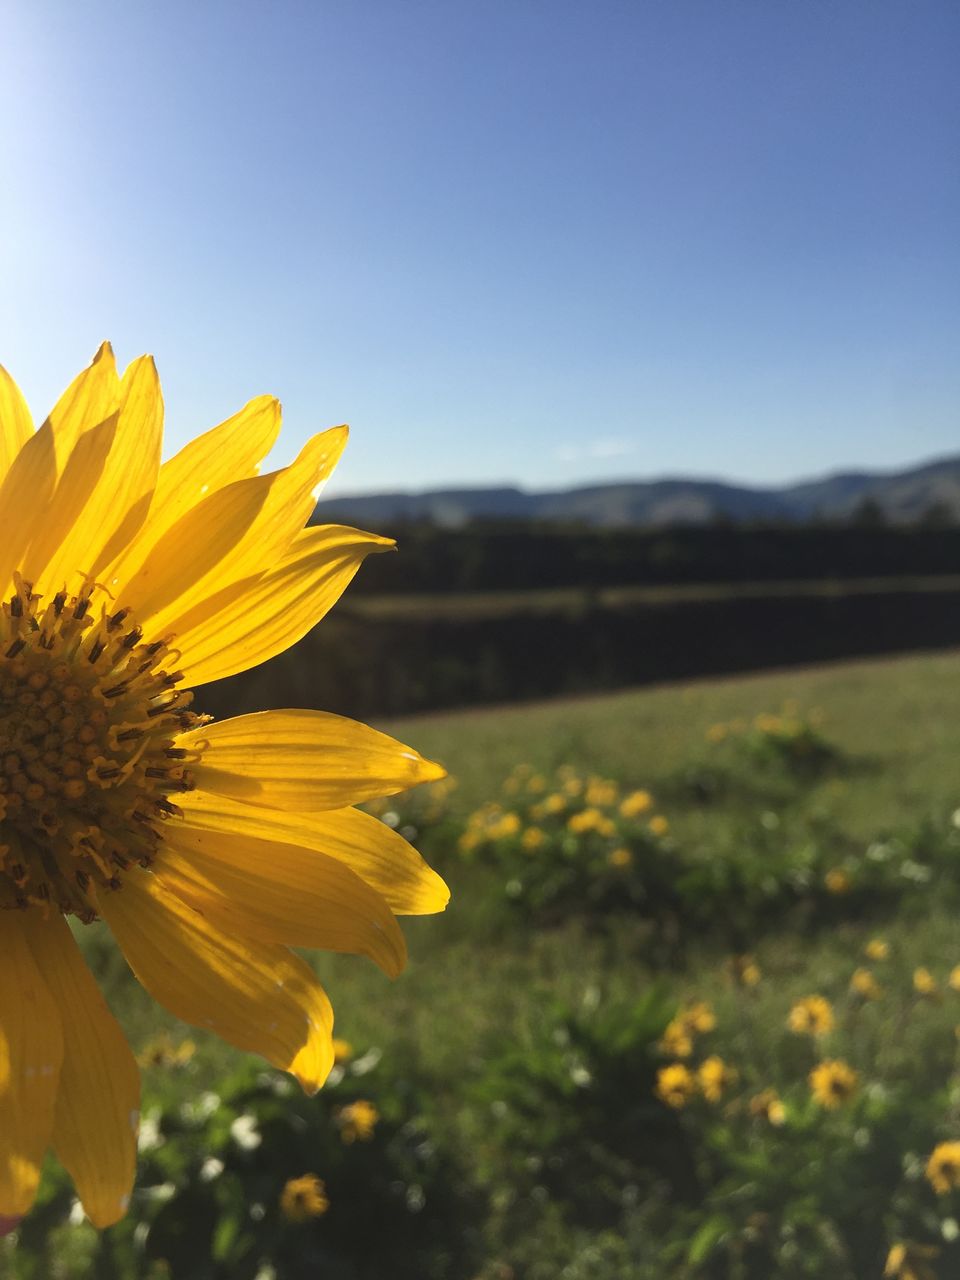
[490,823]
[925,984]
[569,802]
[813,1015]
[694,1019]
[677,1083]
[832,1081]
[787,723]
[421,806]
[306,1197]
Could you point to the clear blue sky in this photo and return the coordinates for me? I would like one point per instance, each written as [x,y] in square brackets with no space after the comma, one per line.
[507,240]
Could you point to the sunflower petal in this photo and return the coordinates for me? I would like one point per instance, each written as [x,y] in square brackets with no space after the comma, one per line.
[376,853]
[91,398]
[260,998]
[279,893]
[135,463]
[257,618]
[97,1111]
[34,472]
[16,424]
[232,451]
[41,467]
[66,510]
[237,533]
[117,498]
[303,760]
[31,1052]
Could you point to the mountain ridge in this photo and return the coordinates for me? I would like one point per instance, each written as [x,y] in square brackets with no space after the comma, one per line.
[901,496]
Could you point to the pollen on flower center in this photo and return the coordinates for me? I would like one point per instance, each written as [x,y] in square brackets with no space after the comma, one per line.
[88,757]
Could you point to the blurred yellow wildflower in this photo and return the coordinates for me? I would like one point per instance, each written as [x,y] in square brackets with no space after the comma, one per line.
[572,786]
[532,839]
[744,970]
[342,1050]
[766,1105]
[659,825]
[536,783]
[876,949]
[601,792]
[468,841]
[620,857]
[833,1082]
[811,1016]
[677,1039]
[837,881]
[304,1198]
[509,825]
[164,1051]
[924,983]
[943,1167]
[699,1017]
[676,1085]
[715,1077]
[865,985]
[357,1121]
[489,822]
[637,802]
[717,733]
[554,803]
[954,980]
[909,1261]
[590,820]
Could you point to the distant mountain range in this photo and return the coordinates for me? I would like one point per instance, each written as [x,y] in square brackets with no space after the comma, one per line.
[903,497]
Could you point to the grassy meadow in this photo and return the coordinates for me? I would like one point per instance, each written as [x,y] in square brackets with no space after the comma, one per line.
[588,1068]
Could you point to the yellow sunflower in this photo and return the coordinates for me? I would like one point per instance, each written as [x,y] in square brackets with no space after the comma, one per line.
[833,1083]
[676,1085]
[304,1198]
[811,1016]
[208,849]
[943,1167]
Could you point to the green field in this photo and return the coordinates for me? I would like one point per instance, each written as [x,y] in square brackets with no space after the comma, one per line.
[520,1047]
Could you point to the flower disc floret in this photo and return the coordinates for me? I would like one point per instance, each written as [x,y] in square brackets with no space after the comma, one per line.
[89,715]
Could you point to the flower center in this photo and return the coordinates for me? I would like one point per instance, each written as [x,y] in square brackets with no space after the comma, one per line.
[88,725]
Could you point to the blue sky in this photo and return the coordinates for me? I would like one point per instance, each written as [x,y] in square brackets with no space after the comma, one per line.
[507,240]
